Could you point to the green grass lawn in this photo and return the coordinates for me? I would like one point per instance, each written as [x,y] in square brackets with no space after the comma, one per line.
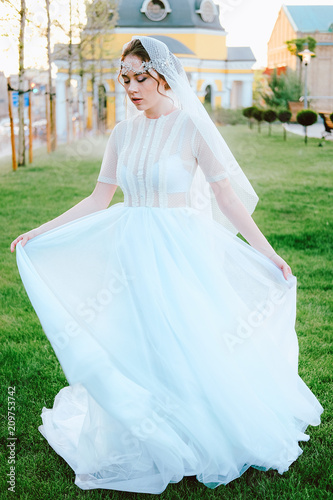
[293,182]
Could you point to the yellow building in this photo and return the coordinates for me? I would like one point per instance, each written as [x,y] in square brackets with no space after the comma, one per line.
[301,21]
[192,30]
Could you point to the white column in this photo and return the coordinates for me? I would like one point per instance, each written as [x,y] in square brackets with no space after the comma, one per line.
[120,102]
[81,96]
[226,91]
[85,95]
[61,107]
[194,81]
[247,94]
[212,96]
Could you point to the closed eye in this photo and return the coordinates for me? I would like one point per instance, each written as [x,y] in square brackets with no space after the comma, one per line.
[126,82]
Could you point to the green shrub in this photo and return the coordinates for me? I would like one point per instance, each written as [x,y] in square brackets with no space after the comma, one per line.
[224,116]
[307,117]
[247,112]
[269,116]
[282,89]
[284,117]
[258,114]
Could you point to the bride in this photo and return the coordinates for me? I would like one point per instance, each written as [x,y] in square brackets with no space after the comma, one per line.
[177,338]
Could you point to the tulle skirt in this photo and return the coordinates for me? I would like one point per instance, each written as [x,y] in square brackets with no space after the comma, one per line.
[178,342]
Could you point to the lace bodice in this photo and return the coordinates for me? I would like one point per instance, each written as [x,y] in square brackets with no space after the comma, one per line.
[154,160]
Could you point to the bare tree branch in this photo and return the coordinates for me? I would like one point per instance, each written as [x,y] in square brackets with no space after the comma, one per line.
[8,2]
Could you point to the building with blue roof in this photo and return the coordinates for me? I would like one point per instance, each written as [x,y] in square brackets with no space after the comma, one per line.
[301,21]
[192,30]
[310,18]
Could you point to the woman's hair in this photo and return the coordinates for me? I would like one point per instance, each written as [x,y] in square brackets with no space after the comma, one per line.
[135,48]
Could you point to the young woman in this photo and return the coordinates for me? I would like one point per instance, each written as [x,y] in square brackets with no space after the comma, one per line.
[177,338]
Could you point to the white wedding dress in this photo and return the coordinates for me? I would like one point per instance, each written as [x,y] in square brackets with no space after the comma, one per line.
[177,338]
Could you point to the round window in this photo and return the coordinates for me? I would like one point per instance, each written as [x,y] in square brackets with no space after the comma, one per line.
[207,11]
[156,10]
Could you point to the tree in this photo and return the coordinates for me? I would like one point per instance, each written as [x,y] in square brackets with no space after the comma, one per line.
[69,97]
[82,93]
[259,87]
[307,117]
[284,117]
[297,45]
[69,53]
[101,18]
[247,112]
[21,143]
[81,71]
[283,88]
[269,117]
[69,79]
[51,99]
[20,10]
[46,30]
[258,114]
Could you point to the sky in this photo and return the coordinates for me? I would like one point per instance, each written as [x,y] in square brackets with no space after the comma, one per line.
[35,45]
[247,22]
[251,22]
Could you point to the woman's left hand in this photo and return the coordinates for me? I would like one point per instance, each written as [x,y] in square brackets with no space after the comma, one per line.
[282,264]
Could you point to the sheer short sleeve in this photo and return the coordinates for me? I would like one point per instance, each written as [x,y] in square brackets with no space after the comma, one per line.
[108,172]
[213,170]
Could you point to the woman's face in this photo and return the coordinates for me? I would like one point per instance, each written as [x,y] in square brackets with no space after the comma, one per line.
[142,88]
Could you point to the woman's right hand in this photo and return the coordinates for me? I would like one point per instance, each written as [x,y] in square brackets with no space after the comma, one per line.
[282,264]
[99,199]
[23,238]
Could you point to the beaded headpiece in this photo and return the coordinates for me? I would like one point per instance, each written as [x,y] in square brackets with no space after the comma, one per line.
[127,67]
[157,64]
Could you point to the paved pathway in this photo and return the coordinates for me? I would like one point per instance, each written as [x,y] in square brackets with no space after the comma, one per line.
[315,130]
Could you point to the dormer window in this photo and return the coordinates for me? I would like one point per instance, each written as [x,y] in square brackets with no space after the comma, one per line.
[207,11]
[156,10]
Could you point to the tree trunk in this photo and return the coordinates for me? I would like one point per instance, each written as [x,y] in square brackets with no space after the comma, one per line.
[69,87]
[12,136]
[81,93]
[30,125]
[51,95]
[93,81]
[101,111]
[83,116]
[47,116]
[21,144]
